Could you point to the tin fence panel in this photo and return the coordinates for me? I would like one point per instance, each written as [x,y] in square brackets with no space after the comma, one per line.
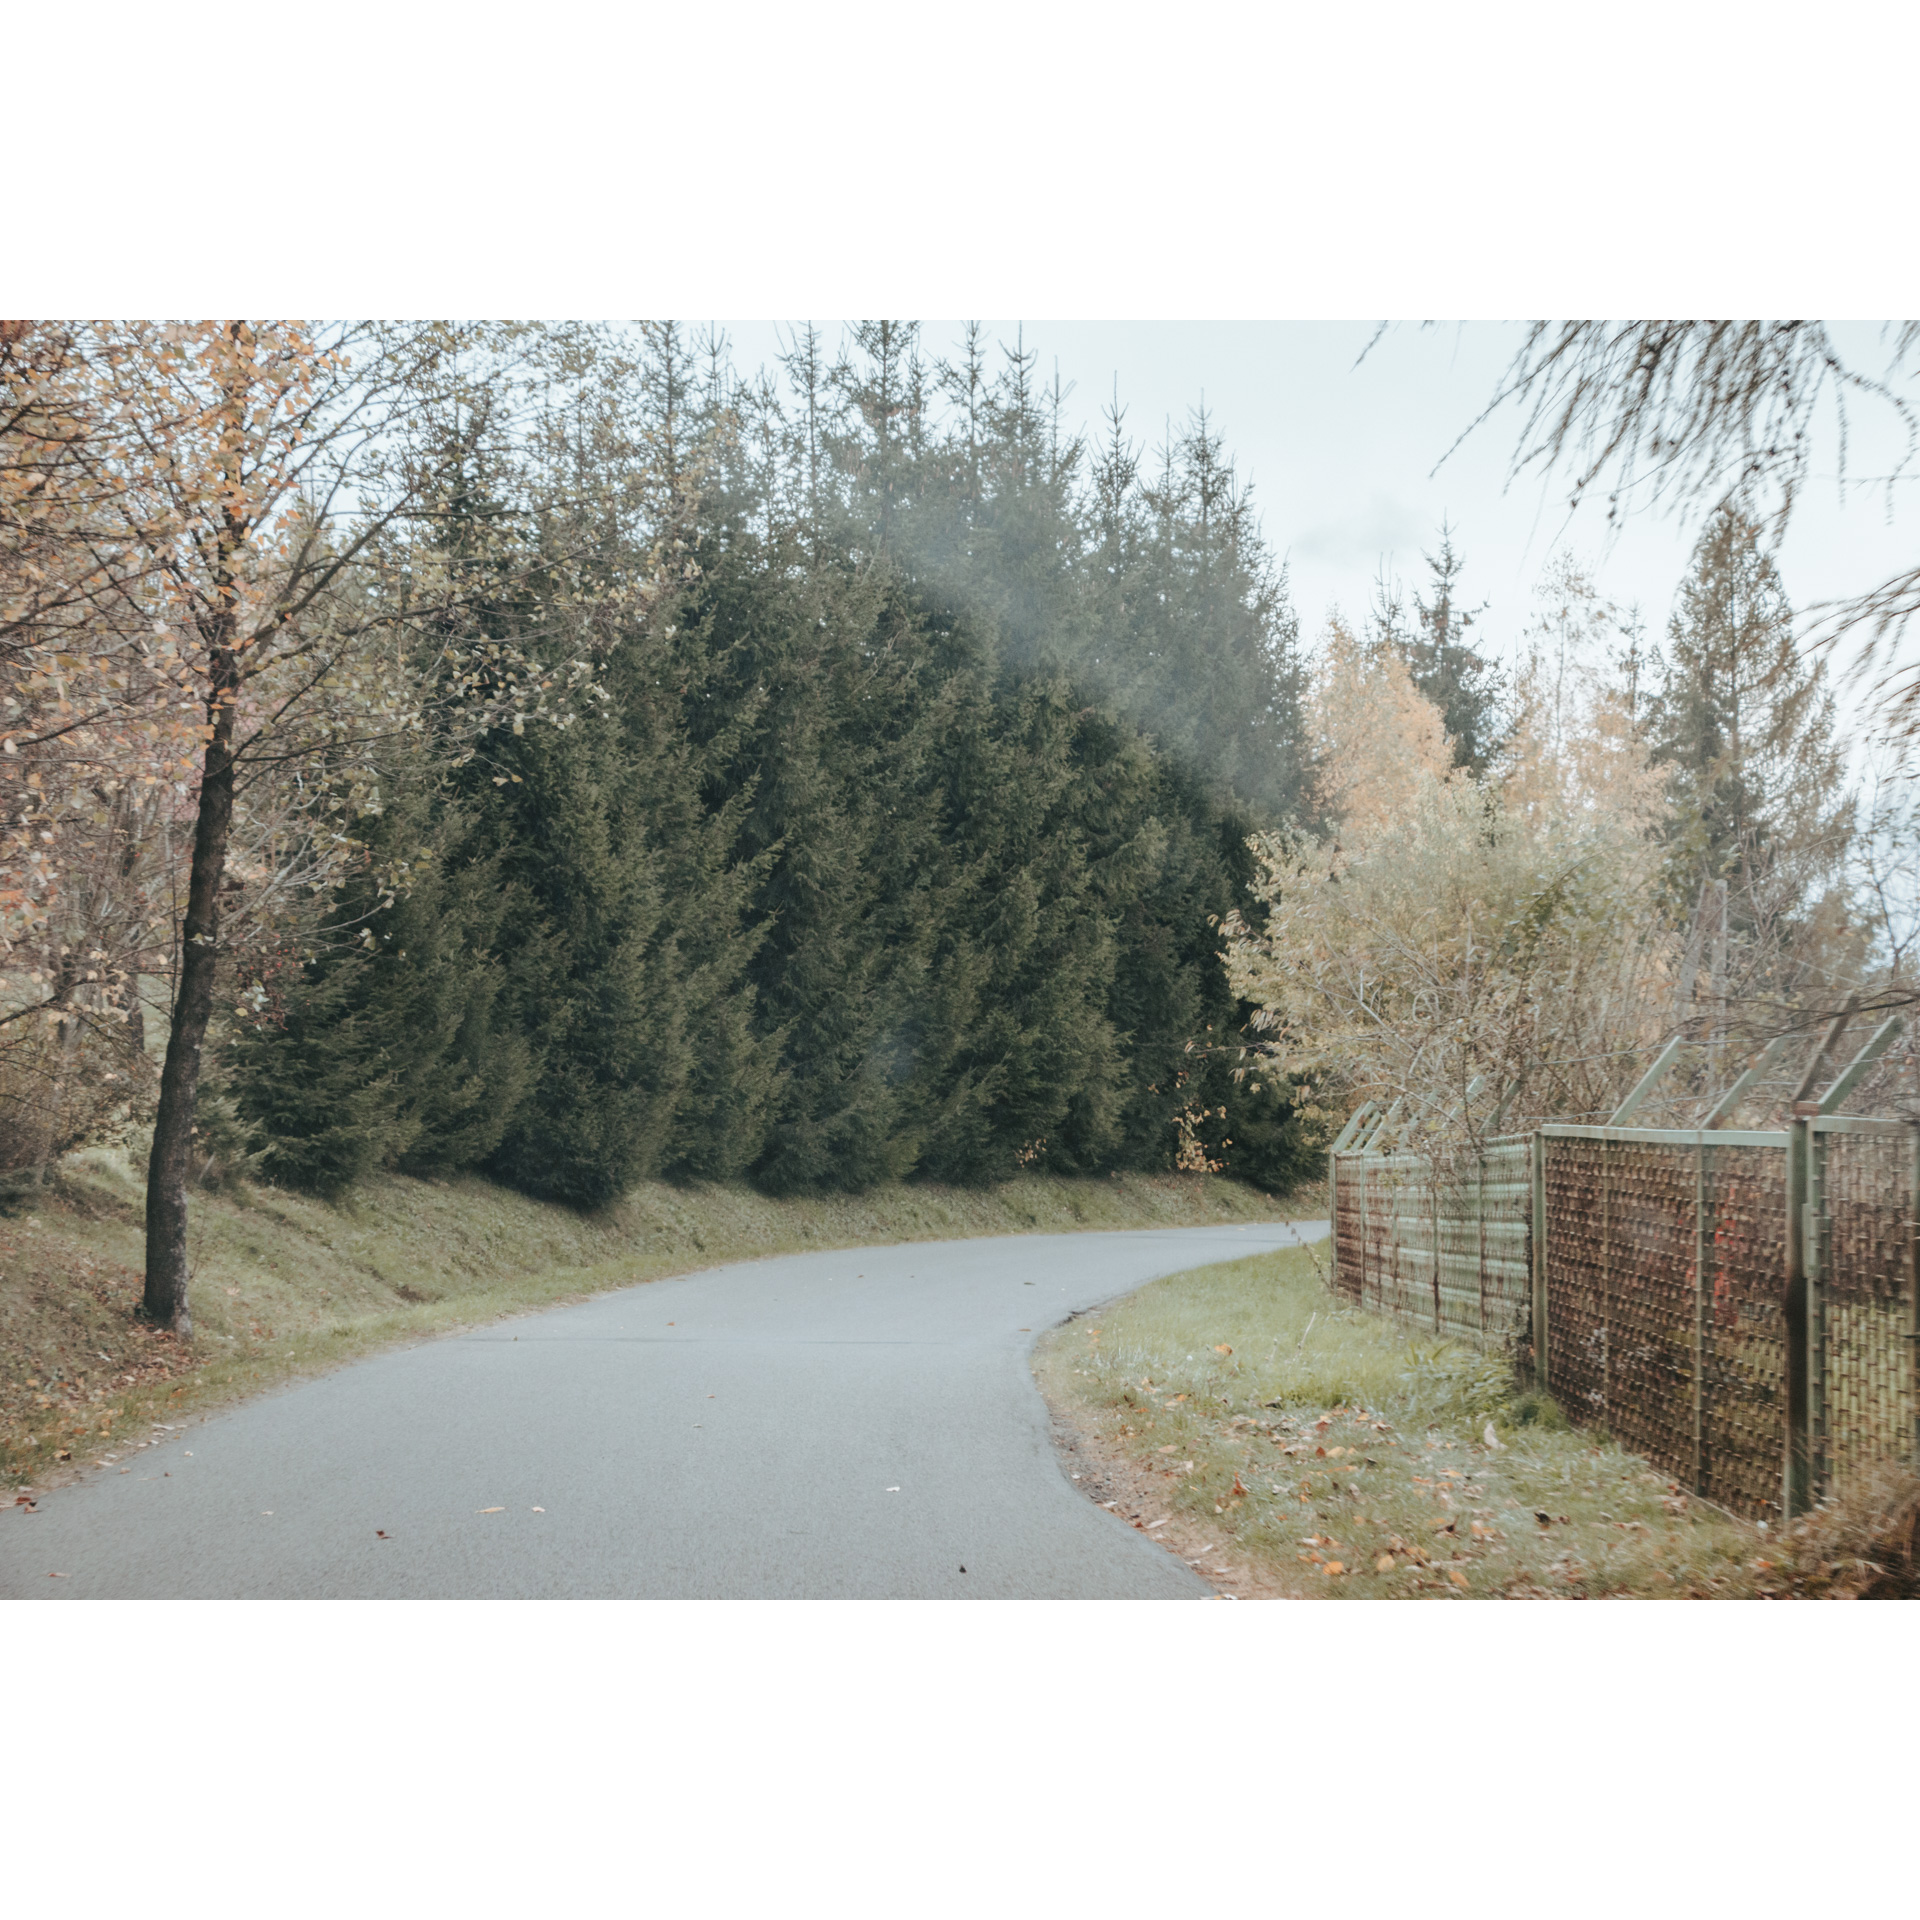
[1439,1244]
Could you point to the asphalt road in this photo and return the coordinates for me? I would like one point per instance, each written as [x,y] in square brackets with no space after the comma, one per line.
[820,1426]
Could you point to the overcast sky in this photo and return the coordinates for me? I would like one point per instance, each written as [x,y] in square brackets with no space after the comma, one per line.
[1350,464]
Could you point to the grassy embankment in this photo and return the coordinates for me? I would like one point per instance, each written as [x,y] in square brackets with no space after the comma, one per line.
[1290,1446]
[285,1286]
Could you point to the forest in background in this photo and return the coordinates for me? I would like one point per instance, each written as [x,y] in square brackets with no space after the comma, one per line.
[834,775]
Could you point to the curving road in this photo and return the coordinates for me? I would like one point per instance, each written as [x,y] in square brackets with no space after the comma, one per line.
[818,1426]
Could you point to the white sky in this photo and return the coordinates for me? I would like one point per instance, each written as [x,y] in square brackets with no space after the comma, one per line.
[1342,457]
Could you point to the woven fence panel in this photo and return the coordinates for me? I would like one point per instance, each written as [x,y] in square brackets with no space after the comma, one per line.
[1620,1295]
[1691,1374]
[1744,1346]
[1866,1412]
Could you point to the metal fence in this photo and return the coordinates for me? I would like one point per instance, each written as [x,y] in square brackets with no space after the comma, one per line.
[1439,1242]
[1739,1307]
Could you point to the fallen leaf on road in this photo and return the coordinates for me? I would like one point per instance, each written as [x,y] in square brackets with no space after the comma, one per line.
[379,1533]
[493,1509]
[893,1489]
[56,1576]
[539,1509]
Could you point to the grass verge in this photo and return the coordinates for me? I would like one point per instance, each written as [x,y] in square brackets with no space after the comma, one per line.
[284,1286]
[1289,1446]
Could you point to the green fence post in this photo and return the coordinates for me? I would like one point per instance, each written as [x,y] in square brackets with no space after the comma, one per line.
[1796,1496]
[1699,1305]
[1913,1298]
[1815,1262]
[1539,1251]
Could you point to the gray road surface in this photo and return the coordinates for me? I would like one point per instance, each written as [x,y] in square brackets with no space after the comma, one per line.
[824,1425]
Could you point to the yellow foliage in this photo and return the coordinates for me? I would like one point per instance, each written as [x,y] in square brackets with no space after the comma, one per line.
[1376,737]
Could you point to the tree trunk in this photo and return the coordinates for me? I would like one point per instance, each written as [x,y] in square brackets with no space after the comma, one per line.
[171,1160]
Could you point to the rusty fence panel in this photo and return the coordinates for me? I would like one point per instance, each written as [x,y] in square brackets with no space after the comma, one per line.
[1665,1253]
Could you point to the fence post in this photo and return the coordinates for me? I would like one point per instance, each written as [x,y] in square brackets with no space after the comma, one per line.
[1816,1263]
[1699,1306]
[1333,1218]
[1796,1494]
[1913,1298]
[1539,1251]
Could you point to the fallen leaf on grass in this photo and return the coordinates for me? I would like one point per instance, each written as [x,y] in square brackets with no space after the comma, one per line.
[1161,1522]
[1458,1579]
[1492,1440]
[1334,1566]
[1384,1564]
[1237,1491]
[1223,1348]
[1166,1449]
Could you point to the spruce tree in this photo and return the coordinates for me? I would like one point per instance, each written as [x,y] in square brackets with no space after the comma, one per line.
[1445,665]
[1744,725]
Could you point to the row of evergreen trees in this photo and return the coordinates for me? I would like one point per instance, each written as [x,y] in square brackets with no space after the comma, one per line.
[931,742]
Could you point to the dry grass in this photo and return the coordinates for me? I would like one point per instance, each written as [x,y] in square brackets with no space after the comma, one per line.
[1319,1449]
[1864,1544]
[285,1286]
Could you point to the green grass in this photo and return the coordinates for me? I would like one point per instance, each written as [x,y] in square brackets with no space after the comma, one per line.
[284,1286]
[1336,1457]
